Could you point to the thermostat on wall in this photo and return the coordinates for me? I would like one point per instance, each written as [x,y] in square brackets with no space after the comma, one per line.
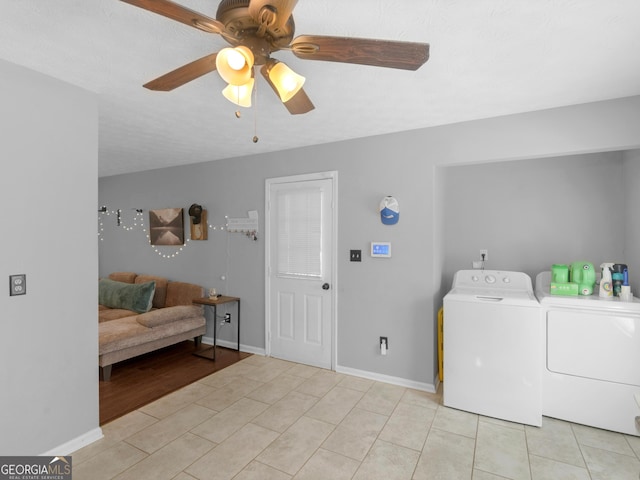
[381,249]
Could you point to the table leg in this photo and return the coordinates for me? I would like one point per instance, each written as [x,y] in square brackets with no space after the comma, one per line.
[215,326]
[238,325]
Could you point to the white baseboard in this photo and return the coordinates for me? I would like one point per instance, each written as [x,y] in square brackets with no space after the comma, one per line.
[436,382]
[75,444]
[403,382]
[234,345]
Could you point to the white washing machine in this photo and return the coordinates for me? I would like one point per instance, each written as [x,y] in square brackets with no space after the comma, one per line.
[591,369]
[491,346]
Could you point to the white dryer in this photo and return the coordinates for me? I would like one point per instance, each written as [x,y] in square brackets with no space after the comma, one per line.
[491,346]
[591,369]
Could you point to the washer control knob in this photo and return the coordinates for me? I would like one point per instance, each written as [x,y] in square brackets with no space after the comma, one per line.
[490,279]
[506,280]
[475,278]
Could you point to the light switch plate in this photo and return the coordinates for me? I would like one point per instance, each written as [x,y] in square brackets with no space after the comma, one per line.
[17,284]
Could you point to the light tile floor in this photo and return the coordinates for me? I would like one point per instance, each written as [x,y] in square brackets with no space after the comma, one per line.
[267,419]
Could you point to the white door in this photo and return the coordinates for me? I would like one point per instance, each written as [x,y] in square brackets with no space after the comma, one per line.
[300,289]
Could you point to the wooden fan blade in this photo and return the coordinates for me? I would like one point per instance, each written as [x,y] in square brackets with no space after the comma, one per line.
[183,74]
[281,9]
[300,103]
[362,51]
[181,14]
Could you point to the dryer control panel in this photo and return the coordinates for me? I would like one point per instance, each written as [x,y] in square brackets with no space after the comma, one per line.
[493,279]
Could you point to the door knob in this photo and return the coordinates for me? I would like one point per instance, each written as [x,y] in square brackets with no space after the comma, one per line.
[325,286]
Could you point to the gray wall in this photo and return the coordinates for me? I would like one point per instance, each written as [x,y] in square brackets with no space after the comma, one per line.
[398,297]
[48,192]
[631,252]
[531,214]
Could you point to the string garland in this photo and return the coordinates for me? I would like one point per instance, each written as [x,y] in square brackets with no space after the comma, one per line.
[138,224]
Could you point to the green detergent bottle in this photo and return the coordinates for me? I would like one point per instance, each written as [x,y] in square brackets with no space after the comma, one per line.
[584,275]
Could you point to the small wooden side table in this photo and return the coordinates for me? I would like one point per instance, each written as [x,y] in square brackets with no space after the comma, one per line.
[214,302]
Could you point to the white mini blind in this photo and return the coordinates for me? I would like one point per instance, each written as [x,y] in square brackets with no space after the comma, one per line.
[300,233]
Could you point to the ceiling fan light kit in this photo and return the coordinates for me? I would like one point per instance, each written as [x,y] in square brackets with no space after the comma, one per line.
[235,64]
[255,29]
[239,94]
[286,82]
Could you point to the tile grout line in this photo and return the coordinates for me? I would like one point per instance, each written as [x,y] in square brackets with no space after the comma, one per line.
[586,464]
[334,429]
[430,428]
[475,447]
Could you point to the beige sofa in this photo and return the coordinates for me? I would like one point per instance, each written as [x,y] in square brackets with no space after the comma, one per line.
[172,318]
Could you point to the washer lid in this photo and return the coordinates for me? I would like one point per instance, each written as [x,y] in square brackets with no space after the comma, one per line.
[493,296]
[493,286]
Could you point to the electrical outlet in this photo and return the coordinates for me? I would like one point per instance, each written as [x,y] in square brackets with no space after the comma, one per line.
[355,255]
[227,318]
[17,284]
[384,345]
[484,254]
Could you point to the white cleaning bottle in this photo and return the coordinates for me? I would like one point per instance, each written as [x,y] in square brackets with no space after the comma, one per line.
[606,284]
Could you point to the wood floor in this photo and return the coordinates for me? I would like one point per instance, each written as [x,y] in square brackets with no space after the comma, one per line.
[141,380]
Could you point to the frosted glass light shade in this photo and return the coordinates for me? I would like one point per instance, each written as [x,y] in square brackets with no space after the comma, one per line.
[286,81]
[239,94]
[234,64]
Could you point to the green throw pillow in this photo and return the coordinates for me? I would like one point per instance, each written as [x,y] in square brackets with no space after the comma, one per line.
[130,296]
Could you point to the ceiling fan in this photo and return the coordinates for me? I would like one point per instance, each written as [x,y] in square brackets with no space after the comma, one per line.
[257,28]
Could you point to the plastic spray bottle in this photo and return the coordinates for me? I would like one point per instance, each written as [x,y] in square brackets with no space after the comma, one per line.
[606,284]
[625,290]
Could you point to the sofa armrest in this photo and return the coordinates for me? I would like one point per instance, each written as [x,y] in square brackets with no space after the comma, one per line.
[163,316]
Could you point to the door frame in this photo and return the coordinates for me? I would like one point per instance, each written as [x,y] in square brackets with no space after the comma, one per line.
[333,176]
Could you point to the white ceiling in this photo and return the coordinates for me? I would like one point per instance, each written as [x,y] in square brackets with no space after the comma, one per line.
[488,58]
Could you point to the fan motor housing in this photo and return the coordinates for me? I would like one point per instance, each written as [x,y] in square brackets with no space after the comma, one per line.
[234,14]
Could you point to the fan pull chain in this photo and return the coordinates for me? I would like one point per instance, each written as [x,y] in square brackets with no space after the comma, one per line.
[238,113]
[255,110]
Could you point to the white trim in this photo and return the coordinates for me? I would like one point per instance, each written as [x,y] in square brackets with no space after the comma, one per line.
[436,382]
[334,269]
[76,444]
[333,175]
[403,382]
[250,349]
[233,345]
